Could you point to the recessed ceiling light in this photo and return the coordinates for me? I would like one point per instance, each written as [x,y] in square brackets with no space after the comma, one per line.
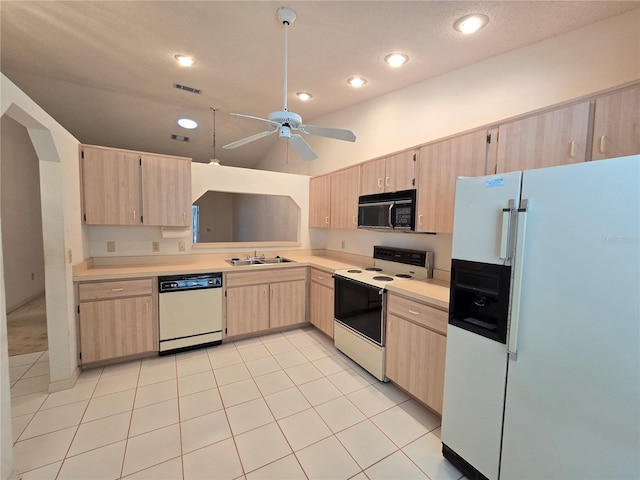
[396,59]
[187,123]
[304,96]
[357,81]
[471,23]
[185,60]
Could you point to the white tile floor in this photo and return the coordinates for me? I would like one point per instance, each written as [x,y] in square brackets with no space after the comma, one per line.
[287,405]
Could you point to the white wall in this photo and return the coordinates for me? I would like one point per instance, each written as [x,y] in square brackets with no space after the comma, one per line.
[21,216]
[57,152]
[593,58]
[216,217]
[266,218]
[131,241]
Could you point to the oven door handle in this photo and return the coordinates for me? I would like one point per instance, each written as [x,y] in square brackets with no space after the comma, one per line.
[391,225]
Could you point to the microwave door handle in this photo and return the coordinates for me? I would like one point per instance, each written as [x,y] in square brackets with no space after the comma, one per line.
[391,225]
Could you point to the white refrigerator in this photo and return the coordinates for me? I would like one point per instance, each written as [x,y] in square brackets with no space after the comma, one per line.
[560,398]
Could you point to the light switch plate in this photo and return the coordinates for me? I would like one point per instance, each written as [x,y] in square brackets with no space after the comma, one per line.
[181,246]
[111,246]
[155,246]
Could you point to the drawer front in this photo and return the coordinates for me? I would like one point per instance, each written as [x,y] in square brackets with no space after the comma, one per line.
[260,276]
[114,289]
[418,313]
[322,277]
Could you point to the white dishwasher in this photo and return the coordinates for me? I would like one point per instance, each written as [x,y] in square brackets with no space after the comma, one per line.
[190,311]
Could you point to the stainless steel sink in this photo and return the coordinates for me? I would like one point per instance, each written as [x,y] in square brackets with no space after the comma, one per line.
[236,262]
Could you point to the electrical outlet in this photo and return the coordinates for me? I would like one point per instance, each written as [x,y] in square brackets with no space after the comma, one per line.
[181,246]
[111,246]
[155,246]
[342,244]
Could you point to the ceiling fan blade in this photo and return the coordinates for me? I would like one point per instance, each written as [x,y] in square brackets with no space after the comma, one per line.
[270,122]
[302,147]
[337,133]
[249,139]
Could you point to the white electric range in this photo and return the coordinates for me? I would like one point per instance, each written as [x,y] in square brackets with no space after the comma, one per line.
[360,303]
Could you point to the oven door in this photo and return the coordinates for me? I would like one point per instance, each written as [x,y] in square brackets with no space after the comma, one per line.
[358,306]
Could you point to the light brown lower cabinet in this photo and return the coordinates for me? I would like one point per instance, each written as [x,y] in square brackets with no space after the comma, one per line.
[254,302]
[415,354]
[321,301]
[116,319]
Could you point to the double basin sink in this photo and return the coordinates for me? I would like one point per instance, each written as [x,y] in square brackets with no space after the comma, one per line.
[236,262]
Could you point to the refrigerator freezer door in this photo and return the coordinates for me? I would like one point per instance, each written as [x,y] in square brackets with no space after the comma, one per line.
[572,405]
[478,216]
[475,376]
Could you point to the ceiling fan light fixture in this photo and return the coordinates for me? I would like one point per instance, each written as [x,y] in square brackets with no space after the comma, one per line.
[185,60]
[356,82]
[471,23]
[187,123]
[396,59]
[304,96]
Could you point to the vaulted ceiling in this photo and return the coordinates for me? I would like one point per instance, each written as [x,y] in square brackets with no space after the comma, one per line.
[106,70]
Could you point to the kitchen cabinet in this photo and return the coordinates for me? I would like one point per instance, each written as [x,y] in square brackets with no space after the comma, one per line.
[439,165]
[416,347]
[616,124]
[257,300]
[390,174]
[116,319]
[321,300]
[121,187]
[320,202]
[548,139]
[344,198]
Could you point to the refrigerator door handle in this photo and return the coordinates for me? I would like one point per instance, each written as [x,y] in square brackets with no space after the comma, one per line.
[505,235]
[516,286]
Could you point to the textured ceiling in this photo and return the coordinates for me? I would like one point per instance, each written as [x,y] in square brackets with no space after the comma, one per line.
[105,70]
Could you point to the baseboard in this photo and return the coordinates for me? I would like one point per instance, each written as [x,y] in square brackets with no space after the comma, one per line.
[24,302]
[65,384]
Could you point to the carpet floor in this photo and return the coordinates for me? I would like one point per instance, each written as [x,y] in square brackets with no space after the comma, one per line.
[27,328]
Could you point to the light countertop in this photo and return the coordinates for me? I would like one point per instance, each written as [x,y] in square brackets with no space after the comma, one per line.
[432,291]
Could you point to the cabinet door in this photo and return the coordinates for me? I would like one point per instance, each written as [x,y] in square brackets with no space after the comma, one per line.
[549,139]
[415,360]
[287,305]
[439,165]
[344,198]
[321,308]
[247,309]
[110,187]
[320,201]
[616,125]
[400,172]
[116,328]
[372,175]
[166,191]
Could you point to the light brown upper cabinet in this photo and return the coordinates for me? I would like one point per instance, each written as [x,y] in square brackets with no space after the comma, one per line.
[616,125]
[320,202]
[390,174]
[438,167]
[556,137]
[121,187]
[344,198]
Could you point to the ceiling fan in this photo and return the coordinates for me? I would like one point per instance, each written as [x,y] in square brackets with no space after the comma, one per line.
[284,121]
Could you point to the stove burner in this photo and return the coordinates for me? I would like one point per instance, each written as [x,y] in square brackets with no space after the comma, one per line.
[354,271]
[373,269]
[403,275]
[382,278]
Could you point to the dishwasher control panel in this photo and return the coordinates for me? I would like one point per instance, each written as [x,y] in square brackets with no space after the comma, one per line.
[176,283]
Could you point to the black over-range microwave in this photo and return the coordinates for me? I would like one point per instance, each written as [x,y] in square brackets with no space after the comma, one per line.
[388,211]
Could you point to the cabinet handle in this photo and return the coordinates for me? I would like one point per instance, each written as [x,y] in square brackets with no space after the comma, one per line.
[146,306]
[419,219]
[386,182]
[415,313]
[134,215]
[117,289]
[184,216]
[264,292]
[602,143]
[572,149]
[353,220]
[380,182]
[326,220]
[320,278]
